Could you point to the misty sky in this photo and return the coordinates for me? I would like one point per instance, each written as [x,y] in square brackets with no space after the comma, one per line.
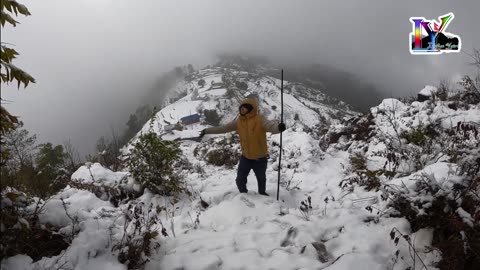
[94,60]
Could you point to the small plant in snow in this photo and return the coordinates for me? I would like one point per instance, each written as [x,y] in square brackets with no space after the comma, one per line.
[140,232]
[73,219]
[326,200]
[396,236]
[195,223]
[291,184]
[198,168]
[306,208]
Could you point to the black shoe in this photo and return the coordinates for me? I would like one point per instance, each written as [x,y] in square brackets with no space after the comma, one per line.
[263,193]
[243,191]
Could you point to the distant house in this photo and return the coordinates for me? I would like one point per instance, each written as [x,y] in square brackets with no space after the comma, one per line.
[178,126]
[191,119]
[217,85]
[169,127]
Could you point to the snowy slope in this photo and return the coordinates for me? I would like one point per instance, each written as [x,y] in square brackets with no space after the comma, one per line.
[239,231]
[252,232]
[218,228]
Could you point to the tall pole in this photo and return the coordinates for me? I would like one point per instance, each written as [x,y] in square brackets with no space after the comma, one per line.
[280,156]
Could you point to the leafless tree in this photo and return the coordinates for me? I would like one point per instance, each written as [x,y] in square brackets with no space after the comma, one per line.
[109,150]
[472,86]
[72,157]
[21,146]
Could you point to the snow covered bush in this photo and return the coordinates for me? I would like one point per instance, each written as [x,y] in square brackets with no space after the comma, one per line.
[21,231]
[212,117]
[352,129]
[230,93]
[424,159]
[359,174]
[443,90]
[225,156]
[450,207]
[198,168]
[220,151]
[465,148]
[241,85]
[471,93]
[116,187]
[116,194]
[152,162]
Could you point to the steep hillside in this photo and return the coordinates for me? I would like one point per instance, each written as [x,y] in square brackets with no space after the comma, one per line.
[223,91]
[396,188]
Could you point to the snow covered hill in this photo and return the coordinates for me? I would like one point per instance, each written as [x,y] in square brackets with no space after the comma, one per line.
[342,196]
[303,106]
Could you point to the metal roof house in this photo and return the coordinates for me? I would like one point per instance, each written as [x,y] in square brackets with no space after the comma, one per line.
[194,118]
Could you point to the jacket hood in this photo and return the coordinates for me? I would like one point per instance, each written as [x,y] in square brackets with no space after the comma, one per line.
[252,102]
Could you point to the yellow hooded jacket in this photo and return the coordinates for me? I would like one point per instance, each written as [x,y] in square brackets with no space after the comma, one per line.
[252,129]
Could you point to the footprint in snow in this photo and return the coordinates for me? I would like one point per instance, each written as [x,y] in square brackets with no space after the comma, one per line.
[228,195]
[268,201]
[245,220]
[291,234]
[247,202]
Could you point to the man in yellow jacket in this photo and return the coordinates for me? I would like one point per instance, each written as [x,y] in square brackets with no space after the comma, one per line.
[252,128]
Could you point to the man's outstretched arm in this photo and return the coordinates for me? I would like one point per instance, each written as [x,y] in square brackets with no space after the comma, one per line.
[229,127]
[271,125]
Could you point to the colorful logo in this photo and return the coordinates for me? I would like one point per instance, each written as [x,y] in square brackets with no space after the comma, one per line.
[429,36]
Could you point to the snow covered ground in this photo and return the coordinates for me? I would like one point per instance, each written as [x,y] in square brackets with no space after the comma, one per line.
[252,232]
[216,228]
[238,231]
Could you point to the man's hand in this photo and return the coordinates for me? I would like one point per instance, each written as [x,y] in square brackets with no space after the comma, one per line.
[282,127]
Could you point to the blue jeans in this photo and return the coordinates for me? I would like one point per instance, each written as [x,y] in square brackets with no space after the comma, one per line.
[259,167]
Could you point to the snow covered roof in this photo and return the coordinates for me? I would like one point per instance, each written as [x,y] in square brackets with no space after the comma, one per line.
[428,90]
[389,104]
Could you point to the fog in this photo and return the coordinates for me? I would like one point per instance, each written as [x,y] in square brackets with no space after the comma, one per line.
[95,60]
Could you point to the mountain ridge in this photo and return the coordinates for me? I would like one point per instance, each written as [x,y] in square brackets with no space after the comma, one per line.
[303,106]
